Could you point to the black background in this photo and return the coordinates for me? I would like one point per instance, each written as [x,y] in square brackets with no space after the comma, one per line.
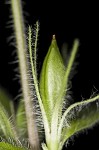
[67,20]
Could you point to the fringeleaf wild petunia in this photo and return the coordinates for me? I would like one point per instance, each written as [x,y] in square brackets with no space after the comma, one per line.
[42,102]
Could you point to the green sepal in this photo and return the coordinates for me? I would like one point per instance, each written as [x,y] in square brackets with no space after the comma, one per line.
[7,146]
[51,77]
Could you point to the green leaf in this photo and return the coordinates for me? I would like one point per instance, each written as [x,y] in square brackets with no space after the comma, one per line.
[51,77]
[6,127]
[79,116]
[7,146]
[5,100]
[21,123]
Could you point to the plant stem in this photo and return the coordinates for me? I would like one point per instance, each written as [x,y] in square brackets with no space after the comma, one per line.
[22,47]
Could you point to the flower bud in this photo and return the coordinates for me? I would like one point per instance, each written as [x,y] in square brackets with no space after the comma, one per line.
[51,77]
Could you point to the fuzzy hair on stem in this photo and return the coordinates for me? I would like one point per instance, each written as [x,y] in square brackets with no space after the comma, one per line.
[21,49]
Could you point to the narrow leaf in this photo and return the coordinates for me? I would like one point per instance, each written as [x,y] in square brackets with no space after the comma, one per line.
[80,116]
[67,74]
[35,39]
[45,120]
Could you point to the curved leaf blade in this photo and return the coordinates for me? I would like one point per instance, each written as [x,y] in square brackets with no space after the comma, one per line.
[79,116]
[6,127]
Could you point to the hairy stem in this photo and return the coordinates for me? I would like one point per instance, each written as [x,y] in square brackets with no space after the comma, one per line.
[22,47]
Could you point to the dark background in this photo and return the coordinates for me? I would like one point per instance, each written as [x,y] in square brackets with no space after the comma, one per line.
[67,20]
